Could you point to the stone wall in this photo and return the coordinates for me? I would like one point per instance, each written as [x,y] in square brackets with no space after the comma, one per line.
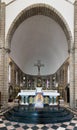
[75,56]
[62,80]
[30,82]
[3,58]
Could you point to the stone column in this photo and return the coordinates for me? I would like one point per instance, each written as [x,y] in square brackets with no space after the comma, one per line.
[3,58]
[55,103]
[65,81]
[22,99]
[26,100]
[73,64]
[72,79]
[51,102]
[73,87]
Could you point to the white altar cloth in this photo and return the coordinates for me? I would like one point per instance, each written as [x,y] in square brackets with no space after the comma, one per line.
[25,93]
[38,89]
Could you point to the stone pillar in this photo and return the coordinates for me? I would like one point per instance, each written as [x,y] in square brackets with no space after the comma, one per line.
[72,79]
[24,100]
[51,100]
[3,58]
[65,82]
[73,64]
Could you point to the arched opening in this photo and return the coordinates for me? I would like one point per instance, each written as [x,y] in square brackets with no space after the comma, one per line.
[37,16]
[39,33]
[10,93]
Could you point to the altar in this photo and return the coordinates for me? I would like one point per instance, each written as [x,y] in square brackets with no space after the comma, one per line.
[38,97]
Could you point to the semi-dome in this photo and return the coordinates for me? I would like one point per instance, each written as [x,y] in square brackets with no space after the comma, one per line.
[39,38]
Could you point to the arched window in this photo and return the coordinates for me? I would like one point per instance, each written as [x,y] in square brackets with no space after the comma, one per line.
[16,77]
[68,80]
[9,73]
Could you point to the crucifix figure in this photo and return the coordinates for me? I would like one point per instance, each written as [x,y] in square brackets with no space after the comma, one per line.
[39,65]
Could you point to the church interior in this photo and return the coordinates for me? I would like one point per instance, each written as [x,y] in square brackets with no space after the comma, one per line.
[38,62]
[32,44]
[38,59]
[57,81]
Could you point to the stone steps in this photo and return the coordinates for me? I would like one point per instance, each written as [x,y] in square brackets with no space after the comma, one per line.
[30,115]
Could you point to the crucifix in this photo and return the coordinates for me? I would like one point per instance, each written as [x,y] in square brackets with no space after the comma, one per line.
[39,65]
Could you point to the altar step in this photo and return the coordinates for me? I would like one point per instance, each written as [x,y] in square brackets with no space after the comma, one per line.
[38,116]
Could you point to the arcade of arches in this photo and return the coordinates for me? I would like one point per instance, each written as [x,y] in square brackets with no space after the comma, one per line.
[57,81]
[61,72]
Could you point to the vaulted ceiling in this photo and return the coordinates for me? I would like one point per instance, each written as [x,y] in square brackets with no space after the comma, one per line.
[39,38]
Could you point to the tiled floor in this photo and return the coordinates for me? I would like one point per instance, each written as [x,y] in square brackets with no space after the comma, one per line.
[7,125]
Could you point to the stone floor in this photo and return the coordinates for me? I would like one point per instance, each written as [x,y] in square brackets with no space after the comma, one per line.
[7,125]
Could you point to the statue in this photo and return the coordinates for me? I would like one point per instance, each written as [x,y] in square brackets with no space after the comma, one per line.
[39,82]
[39,65]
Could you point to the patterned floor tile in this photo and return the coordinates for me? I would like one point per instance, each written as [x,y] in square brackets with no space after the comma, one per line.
[0,119]
[10,127]
[16,126]
[7,125]
[72,124]
[39,129]
[54,127]
[29,129]
[50,129]
[74,121]
[25,127]
[2,125]
[49,125]
[67,129]
[1,122]
[66,123]
[75,128]
[60,128]
[44,128]
[76,125]
[63,125]
[13,123]
[30,125]
[70,127]
[20,128]
[40,126]
[3,128]
[35,128]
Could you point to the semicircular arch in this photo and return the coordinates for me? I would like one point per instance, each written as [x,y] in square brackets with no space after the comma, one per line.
[39,9]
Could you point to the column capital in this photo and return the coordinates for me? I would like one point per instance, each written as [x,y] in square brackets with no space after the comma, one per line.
[75,2]
[6,49]
[71,50]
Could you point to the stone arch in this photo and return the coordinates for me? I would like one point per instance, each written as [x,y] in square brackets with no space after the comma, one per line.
[46,10]
[40,9]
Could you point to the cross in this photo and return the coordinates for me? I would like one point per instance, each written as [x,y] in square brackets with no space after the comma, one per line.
[39,65]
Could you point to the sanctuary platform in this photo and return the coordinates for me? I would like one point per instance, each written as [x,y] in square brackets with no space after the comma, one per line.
[39,97]
[47,114]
